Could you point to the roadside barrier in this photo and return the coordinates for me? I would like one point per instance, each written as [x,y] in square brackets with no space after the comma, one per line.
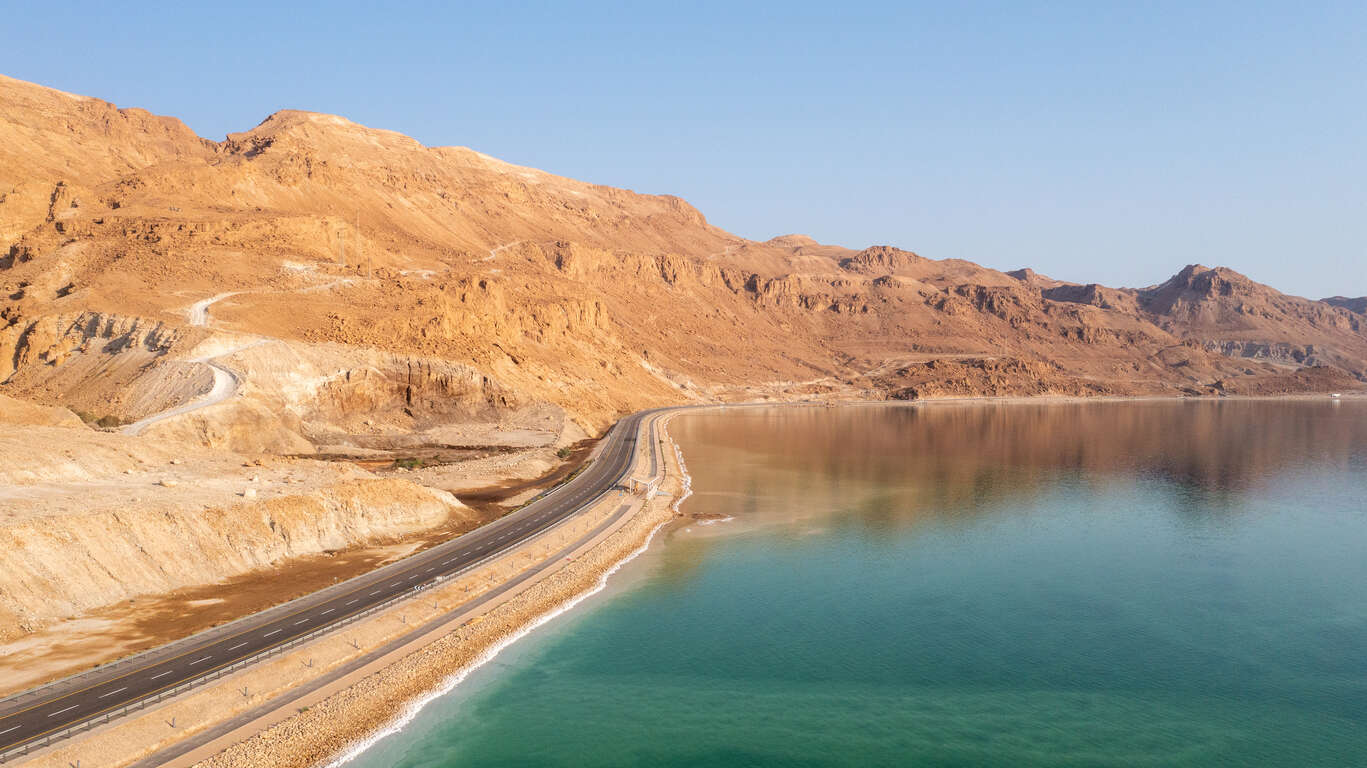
[46,740]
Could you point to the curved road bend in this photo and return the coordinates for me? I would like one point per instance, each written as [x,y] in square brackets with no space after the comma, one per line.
[81,698]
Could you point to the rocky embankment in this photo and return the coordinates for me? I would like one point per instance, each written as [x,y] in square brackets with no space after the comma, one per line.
[90,519]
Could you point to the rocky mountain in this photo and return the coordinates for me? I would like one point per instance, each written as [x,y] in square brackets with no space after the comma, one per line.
[1358,305]
[361,290]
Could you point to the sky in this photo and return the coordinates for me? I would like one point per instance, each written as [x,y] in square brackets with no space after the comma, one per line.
[1092,141]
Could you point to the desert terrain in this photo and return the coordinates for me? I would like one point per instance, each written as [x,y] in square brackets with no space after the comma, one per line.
[315,346]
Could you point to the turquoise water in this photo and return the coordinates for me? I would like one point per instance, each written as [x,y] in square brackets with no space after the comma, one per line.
[1152,584]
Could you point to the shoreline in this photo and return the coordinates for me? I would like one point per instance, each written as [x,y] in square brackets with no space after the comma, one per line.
[490,652]
[350,720]
[345,724]
[453,681]
[1083,399]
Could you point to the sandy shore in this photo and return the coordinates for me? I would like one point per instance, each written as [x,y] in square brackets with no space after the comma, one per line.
[341,726]
[314,702]
[326,730]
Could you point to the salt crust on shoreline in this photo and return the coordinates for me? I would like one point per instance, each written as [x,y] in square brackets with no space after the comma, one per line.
[353,717]
[340,727]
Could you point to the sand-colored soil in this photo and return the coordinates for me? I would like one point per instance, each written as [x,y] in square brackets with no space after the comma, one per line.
[114,544]
[311,729]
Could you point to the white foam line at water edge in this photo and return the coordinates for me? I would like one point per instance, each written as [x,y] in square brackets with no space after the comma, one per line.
[683,472]
[490,653]
[487,656]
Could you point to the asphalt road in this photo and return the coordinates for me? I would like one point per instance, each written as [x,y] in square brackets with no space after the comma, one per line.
[91,694]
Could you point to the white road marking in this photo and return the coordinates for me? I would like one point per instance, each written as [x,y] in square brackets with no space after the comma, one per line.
[272,632]
[324,613]
[7,730]
[196,661]
[349,602]
[111,693]
[376,592]
[60,711]
[301,621]
[235,647]
[163,674]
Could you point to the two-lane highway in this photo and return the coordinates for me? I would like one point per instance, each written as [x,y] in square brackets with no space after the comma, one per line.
[88,696]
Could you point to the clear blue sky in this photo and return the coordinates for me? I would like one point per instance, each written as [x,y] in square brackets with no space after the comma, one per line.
[1094,141]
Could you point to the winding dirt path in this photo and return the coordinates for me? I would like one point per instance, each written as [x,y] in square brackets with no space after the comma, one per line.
[226,381]
[199,311]
[226,384]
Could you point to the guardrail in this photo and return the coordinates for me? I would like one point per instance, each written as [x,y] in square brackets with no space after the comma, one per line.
[21,750]
[46,740]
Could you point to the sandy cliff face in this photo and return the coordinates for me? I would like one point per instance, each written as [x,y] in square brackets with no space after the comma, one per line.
[89,519]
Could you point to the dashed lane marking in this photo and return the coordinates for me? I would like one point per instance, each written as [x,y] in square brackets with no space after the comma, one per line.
[562,506]
[111,693]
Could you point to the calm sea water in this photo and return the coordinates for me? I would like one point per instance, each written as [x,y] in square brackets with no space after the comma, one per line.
[1140,584]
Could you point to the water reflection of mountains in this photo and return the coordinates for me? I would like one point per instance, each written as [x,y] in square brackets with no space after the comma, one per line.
[890,463]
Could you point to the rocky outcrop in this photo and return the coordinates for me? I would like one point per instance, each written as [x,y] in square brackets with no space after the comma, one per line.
[882,260]
[1296,354]
[1320,378]
[1094,295]
[995,377]
[1358,305]
[102,364]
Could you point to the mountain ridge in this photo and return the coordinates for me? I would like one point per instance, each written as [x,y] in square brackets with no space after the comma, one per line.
[337,242]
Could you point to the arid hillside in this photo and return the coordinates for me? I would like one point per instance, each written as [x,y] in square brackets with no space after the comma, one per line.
[349,290]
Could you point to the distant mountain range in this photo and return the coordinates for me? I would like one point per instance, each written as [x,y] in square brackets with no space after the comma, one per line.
[437,286]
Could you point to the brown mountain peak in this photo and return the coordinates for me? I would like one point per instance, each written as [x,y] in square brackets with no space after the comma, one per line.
[881,259]
[1358,304]
[792,241]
